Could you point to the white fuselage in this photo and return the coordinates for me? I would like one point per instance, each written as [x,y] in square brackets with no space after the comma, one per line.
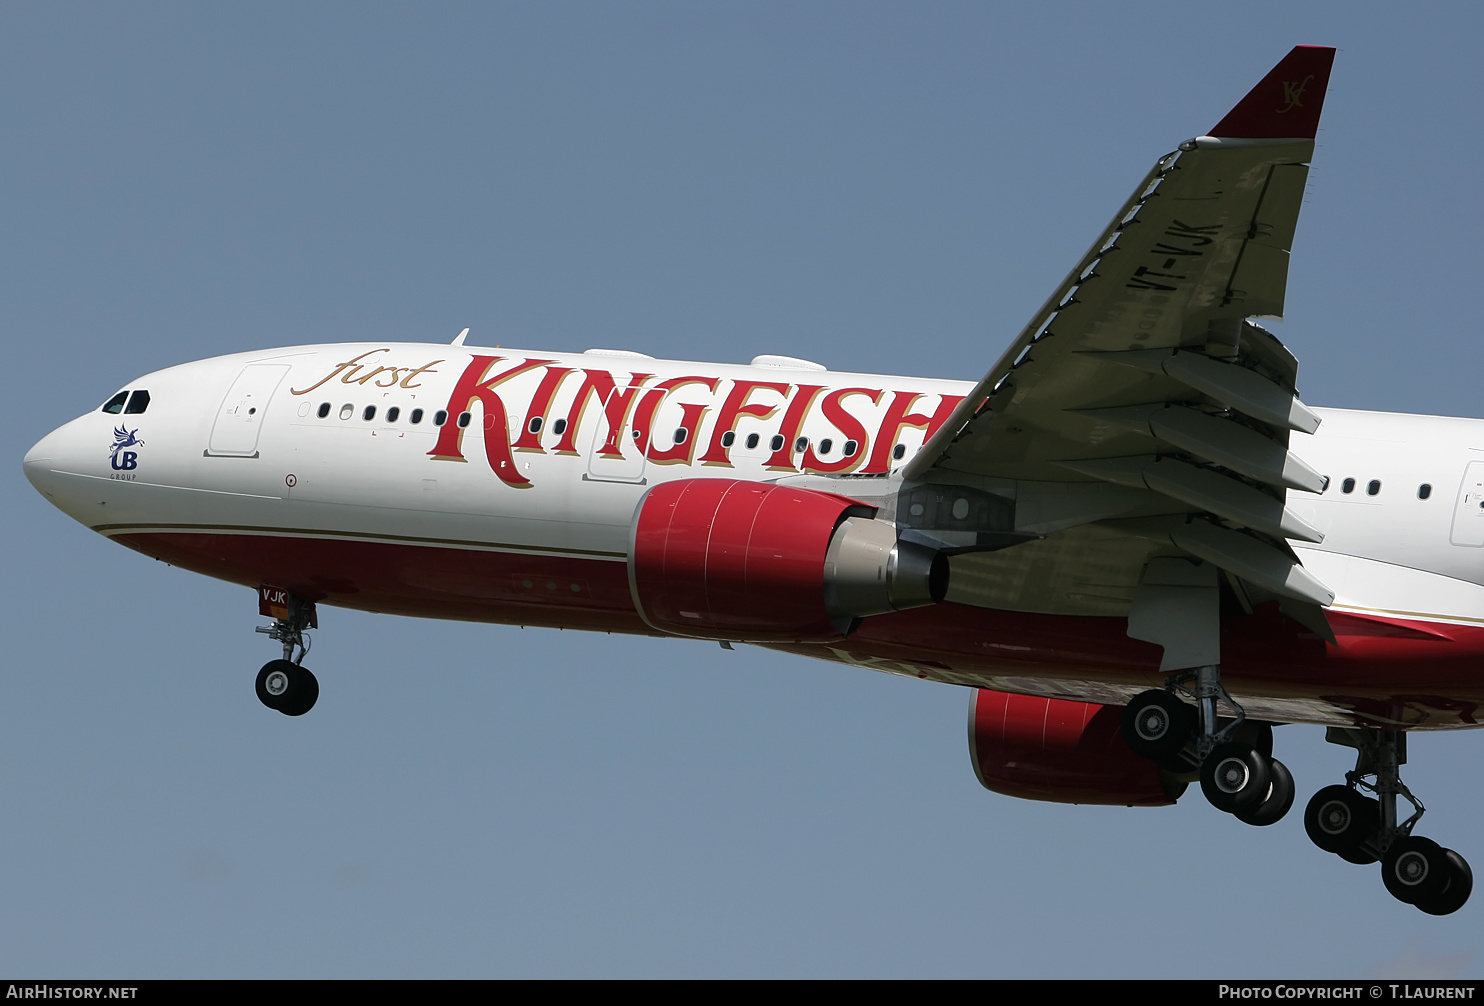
[319,443]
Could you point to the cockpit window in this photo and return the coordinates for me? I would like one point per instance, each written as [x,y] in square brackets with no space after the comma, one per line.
[138,402]
[115,405]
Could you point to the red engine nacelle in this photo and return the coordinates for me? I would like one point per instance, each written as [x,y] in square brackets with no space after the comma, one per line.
[730,559]
[1063,751]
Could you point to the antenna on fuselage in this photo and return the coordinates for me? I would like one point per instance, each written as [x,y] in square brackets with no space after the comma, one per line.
[459,339]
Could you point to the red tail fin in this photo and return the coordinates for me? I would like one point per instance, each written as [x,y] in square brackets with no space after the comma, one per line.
[1285,103]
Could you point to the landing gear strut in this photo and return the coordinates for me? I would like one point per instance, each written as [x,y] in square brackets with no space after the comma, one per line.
[1363,829]
[1233,755]
[284,684]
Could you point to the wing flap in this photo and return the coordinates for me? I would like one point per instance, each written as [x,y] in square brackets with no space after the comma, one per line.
[1202,489]
[1277,214]
[1233,386]
[1220,441]
[1143,370]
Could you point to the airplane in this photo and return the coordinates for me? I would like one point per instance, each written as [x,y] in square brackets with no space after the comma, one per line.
[1130,540]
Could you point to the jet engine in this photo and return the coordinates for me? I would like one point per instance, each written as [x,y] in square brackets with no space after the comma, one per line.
[1061,751]
[737,560]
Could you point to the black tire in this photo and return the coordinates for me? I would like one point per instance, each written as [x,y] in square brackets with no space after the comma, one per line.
[1415,870]
[1178,767]
[1360,856]
[1156,725]
[1279,799]
[303,695]
[1235,777]
[275,683]
[1173,785]
[1338,820]
[1257,733]
[1460,886]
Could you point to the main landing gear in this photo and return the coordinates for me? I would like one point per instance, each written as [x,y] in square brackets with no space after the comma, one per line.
[284,684]
[1362,829]
[1233,758]
[1231,755]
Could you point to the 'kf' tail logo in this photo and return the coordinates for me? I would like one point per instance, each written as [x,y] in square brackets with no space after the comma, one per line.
[1293,93]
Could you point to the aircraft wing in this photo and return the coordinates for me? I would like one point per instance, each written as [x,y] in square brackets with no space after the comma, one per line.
[1140,413]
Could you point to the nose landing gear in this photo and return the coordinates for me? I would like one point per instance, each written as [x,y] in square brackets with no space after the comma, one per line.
[286,685]
[1363,829]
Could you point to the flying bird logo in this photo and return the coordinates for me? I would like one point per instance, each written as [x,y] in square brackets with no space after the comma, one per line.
[125,460]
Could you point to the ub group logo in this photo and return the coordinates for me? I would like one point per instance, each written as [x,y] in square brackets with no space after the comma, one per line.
[124,460]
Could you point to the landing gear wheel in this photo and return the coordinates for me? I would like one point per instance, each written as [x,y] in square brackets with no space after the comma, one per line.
[1460,886]
[287,687]
[1235,777]
[1359,856]
[1338,820]
[303,696]
[1416,870]
[1278,801]
[275,681]
[1256,733]
[1156,724]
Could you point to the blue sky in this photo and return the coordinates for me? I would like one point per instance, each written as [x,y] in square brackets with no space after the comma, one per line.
[880,187]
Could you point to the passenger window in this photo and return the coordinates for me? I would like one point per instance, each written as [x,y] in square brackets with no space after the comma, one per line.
[464,418]
[681,434]
[559,426]
[1424,491]
[416,417]
[850,448]
[1348,486]
[899,451]
[1373,487]
[534,425]
[347,410]
[138,402]
[752,439]
[324,409]
[1324,484]
[825,445]
[440,417]
[776,444]
[728,438]
[369,414]
[392,414]
[115,405]
[801,445]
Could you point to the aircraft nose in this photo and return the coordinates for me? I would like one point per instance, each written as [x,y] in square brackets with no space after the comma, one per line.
[51,458]
[39,461]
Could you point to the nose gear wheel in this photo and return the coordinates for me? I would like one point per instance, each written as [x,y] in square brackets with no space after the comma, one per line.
[285,685]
